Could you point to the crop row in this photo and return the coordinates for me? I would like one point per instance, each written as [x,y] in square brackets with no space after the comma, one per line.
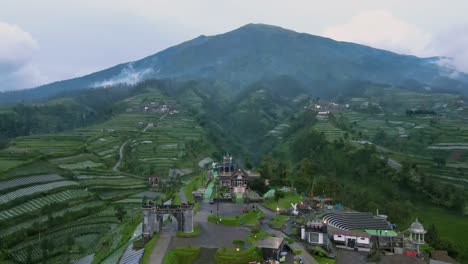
[20,253]
[29,180]
[34,189]
[38,203]
[41,219]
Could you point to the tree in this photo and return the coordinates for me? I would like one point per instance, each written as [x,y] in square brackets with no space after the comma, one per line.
[120,213]
[278,195]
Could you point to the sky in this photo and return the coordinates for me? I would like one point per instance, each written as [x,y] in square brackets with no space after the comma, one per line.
[49,40]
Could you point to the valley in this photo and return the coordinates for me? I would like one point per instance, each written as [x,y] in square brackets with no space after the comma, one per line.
[370,130]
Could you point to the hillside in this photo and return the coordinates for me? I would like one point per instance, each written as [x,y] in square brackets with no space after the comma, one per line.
[254,52]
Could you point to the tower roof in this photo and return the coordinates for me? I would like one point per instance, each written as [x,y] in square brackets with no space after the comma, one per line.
[417,227]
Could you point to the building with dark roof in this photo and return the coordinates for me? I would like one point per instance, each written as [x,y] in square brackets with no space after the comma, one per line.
[271,247]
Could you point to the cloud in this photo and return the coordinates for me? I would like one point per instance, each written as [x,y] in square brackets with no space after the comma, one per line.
[381,29]
[453,43]
[128,76]
[17,48]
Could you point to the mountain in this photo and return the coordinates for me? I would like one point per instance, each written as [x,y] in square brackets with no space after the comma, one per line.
[256,51]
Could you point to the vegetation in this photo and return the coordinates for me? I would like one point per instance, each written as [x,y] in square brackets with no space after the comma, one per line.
[232,256]
[148,249]
[182,255]
[196,232]
[282,202]
[250,218]
[278,221]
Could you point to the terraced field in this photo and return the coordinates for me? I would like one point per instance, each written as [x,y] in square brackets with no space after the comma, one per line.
[331,132]
[8,197]
[29,180]
[38,203]
[73,169]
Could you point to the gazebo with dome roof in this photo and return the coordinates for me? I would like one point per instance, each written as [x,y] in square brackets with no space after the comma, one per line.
[416,234]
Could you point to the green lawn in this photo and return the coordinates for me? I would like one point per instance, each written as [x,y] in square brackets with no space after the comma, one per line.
[448,224]
[278,221]
[148,249]
[196,232]
[324,260]
[248,219]
[232,256]
[193,185]
[182,255]
[284,202]
[253,238]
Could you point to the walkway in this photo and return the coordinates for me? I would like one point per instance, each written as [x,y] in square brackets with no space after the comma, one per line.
[306,257]
[121,156]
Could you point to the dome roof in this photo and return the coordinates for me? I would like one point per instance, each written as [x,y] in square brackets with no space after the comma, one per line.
[417,227]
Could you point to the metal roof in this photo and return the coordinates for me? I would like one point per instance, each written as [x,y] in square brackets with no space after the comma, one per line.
[270,242]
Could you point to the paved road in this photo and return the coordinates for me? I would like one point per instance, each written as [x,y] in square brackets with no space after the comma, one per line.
[121,156]
[306,257]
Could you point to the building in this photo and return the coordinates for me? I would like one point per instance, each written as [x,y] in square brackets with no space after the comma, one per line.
[154,181]
[271,247]
[315,234]
[415,239]
[236,180]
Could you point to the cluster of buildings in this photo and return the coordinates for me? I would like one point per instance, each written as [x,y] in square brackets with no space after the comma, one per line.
[232,178]
[362,231]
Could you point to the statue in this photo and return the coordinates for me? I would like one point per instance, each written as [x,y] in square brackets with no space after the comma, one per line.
[294,212]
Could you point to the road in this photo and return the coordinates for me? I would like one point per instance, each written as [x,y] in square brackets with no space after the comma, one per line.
[121,156]
[306,257]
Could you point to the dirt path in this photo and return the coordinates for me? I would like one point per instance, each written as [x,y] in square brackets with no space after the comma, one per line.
[121,156]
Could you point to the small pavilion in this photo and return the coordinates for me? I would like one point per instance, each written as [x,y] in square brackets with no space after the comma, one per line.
[416,234]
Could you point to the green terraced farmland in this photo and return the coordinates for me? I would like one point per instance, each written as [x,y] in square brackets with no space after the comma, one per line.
[38,203]
[331,132]
[8,197]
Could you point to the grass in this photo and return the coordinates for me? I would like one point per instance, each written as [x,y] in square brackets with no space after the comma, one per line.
[182,255]
[283,203]
[253,238]
[447,223]
[196,232]
[193,185]
[278,221]
[248,219]
[232,256]
[324,260]
[148,249]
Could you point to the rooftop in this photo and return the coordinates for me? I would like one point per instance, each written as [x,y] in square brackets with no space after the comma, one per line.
[270,242]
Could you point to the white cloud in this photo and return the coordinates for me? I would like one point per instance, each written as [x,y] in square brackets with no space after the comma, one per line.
[381,29]
[128,76]
[17,48]
[453,43]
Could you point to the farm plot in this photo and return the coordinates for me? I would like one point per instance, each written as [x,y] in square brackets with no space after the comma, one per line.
[8,197]
[119,182]
[81,165]
[29,180]
[50,143]
[41,219]
[278,130]
[38,203]
[8,163]
[331,132]
[58,238]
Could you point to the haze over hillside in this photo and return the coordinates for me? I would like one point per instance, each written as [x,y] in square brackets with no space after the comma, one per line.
[257,51]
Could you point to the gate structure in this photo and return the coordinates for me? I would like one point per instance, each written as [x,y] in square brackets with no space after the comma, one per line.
[153,218]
